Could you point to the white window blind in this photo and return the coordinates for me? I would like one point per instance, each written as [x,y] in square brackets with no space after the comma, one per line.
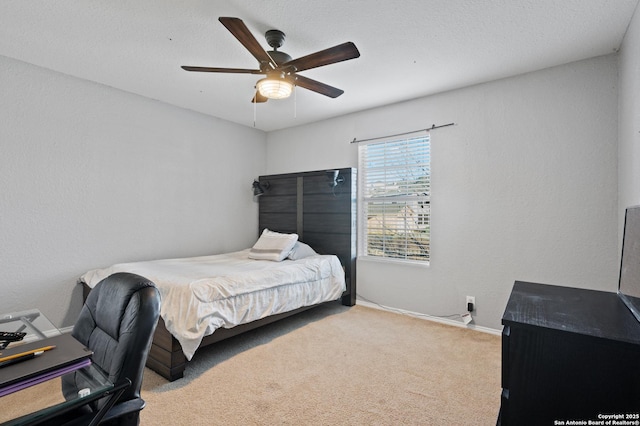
[394,198]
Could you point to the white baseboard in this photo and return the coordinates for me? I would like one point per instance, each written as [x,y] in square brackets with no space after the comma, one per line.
[441,320]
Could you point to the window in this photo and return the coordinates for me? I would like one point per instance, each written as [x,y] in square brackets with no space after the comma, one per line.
[394,207]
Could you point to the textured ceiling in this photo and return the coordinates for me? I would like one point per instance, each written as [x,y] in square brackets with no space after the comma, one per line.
[409,48]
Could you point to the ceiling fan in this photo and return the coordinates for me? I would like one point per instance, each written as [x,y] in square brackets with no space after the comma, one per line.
[280,69]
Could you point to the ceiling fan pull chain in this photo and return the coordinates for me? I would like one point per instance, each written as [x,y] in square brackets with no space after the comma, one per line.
[255,99]
[295,101]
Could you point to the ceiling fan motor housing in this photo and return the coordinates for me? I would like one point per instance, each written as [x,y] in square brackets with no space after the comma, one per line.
[279,57]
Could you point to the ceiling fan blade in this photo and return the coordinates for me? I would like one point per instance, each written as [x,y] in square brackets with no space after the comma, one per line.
[244,36]
[258,98]
[316,86]
[229,70]
[339,53]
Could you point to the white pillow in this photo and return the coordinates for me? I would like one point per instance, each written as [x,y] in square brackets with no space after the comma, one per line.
[301,250]
[273,246]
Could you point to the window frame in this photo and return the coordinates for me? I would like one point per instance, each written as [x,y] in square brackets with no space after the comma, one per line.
[401,196]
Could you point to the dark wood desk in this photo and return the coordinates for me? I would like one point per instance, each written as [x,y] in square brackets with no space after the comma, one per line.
[568,355]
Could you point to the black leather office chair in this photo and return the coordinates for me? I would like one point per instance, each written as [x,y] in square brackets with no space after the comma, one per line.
[117,322]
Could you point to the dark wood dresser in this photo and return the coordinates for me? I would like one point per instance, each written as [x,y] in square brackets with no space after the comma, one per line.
[568,355]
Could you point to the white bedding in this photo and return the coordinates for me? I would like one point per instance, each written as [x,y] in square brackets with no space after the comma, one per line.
[202,294]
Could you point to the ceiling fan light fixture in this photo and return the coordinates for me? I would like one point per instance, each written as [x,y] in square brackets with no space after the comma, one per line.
[274,88]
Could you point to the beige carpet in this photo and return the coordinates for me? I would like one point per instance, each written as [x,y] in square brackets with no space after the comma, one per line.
[331,365]
[335,365]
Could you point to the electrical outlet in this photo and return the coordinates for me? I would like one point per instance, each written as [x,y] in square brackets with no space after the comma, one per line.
[471,300]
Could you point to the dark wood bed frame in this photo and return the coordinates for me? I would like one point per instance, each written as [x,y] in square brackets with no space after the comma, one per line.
[307,203]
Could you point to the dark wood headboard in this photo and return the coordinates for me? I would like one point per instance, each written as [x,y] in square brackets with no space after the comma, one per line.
[323,216]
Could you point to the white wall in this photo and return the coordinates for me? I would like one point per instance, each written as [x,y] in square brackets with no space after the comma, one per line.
[629,123]
[92,176]
[524,187]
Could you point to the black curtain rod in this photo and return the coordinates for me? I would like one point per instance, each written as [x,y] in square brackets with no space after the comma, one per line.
[405,133]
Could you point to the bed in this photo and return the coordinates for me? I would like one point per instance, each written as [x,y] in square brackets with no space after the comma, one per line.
[207,299]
